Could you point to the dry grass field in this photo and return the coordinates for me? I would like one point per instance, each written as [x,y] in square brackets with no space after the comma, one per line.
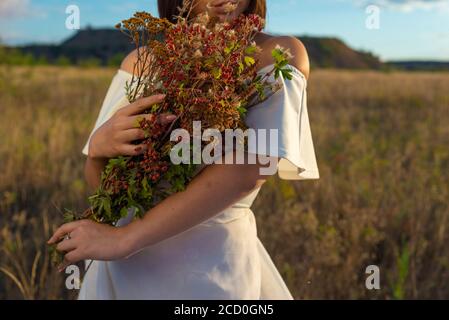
[382,144]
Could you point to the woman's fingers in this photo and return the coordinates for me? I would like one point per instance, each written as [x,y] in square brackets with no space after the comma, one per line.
[63,230]
[66,245]
[64,264]
[132,150]
[165,118]
[131,134]
[141,105]
[70,258]
[74,256]
[134,121]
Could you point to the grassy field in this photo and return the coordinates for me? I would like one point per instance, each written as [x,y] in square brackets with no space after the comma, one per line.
[382,144]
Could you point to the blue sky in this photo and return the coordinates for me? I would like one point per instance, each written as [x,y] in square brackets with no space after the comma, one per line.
[408,29]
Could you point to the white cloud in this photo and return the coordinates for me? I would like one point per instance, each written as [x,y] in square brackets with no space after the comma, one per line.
[10,9]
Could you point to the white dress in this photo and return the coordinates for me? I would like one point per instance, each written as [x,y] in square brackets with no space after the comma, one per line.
[221,258]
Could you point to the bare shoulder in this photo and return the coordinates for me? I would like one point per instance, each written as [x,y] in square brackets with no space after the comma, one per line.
[300,58]
[129,61]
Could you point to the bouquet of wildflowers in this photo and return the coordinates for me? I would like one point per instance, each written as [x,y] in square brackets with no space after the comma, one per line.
[208,71]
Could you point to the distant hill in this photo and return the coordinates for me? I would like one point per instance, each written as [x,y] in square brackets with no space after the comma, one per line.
[106,45]
[109,47]
[419,65]
[101,44]
[334,53]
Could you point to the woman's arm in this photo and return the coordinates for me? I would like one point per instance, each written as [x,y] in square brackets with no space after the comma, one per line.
[216,188]
[92,171]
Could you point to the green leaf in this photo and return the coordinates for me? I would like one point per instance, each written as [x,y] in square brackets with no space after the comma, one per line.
[107,206]
[250,50]
[117,162]
[287,73]
[276,73]
[249,61]
[282,63]
[140,210]
[241,67]
[216,73]
[123,212]
[228,49]
[147,191]
[277,55]
[209,62]
[242,110]
[187,67]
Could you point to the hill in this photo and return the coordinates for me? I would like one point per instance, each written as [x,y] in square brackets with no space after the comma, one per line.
[100,44]
[419,65]
[106,45]
[334,53]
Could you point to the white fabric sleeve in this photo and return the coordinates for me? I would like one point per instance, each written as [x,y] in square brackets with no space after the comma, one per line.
[114,100]
[285,114]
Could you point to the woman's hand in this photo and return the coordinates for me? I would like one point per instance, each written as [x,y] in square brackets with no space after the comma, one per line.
[86,239]
[114,138]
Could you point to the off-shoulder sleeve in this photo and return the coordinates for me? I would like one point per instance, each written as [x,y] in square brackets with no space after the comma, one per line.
[285,118]
[114,100]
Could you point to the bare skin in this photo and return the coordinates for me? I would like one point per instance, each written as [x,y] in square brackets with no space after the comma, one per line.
[178,213]
[114,137]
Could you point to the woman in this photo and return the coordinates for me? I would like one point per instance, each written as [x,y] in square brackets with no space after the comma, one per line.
[201,243]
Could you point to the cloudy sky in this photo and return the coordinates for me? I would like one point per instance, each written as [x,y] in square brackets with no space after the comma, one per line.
[392,29]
